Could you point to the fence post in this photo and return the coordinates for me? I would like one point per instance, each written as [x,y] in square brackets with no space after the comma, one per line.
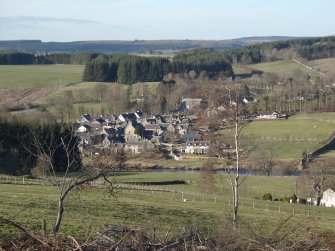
[279,209]
[44,227]
[293,210]
[253,204]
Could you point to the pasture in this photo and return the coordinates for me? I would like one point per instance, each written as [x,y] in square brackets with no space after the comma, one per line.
[28,76]
[289,138]
[287,68]
[164,207]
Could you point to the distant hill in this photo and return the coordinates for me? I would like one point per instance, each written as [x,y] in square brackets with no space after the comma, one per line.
[136,46]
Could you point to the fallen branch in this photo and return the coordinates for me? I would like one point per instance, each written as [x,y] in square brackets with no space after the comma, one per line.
[24,229]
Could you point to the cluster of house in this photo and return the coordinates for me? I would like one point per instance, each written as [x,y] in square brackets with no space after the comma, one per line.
[136,133]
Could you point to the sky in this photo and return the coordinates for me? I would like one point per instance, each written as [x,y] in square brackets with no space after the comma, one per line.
[76,20]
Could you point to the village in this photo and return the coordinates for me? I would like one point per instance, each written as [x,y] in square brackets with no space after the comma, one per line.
[177,133]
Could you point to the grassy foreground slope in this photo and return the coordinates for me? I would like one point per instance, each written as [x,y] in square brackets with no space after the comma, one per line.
[182,205]
[27,76]
[289,138]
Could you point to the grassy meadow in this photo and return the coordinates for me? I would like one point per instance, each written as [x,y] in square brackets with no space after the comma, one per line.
[180,205]
[289,138]
[283,67]
[27,76]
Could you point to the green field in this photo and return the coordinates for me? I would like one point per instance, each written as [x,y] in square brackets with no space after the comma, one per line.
[286,68]
[40,75]
[289,138]
[184,205]
[238,70]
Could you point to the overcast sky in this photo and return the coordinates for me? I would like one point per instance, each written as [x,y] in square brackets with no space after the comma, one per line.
[73,20]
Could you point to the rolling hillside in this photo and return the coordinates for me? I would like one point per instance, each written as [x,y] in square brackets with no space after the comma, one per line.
[289,138]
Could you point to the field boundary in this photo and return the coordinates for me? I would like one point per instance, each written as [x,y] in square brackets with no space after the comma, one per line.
[320,214]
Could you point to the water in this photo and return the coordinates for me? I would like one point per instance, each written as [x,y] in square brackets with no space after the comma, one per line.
[246,172]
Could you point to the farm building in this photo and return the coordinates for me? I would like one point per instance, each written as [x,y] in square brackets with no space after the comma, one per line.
[328,198]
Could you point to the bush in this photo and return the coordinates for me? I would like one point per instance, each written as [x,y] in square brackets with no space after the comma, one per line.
[294,198]
[276,199]
[285,199]
[267,196]
[302,201]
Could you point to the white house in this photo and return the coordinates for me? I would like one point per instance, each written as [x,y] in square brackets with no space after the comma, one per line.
[196,147]
[328,198]
[271,115]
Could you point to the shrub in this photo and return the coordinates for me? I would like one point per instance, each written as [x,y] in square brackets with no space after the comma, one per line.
[267,196]
[294,198]
[285,199]
[276,199]
[302,201]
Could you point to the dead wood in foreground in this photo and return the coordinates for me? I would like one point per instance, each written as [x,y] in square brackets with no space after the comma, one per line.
[119,237]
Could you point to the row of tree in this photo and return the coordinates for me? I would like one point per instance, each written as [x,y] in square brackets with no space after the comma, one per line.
[129,69]
[21,58]
[21,144]
[308,48]
[125,69]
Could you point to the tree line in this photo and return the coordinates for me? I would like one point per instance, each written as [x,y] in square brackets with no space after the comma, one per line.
[308,48]
[22,58]
[18,151]
[129,69]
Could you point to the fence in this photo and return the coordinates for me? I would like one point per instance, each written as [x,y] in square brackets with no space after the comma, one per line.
[216,202]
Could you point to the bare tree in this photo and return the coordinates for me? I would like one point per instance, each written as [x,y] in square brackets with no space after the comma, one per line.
[233,119]
[47,144]
[264,161]
[116,98]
